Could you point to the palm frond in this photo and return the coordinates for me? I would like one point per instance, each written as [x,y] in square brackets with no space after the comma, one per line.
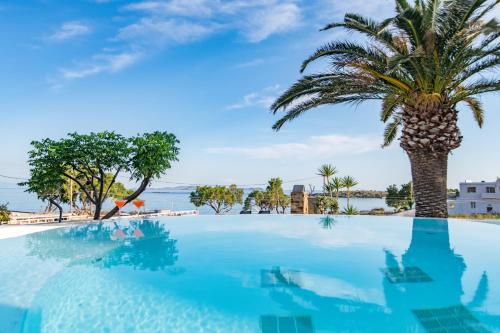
[477,109]
[391,131]
[390,104]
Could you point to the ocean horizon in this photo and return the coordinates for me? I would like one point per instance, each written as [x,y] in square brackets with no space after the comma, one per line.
[18,200]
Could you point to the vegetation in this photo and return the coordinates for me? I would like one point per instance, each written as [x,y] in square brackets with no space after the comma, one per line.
[79,201]
[453,192]
[431,56]
[94,161]
[349,182]
[350,210]
[273,198]
[326,205]
[489,216]
[220,198]
[335,185]
[401,198]
[4,213]
[326,171]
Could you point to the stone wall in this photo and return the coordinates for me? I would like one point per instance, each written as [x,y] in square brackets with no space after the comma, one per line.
[299,200]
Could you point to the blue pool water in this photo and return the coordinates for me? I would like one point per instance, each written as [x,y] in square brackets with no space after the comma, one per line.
[268,274]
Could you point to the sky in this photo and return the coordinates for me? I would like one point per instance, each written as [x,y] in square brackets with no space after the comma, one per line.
[207,71]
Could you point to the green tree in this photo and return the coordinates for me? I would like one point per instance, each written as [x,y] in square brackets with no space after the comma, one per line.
[400,198]
[48,186]
[326,171]
[278,200]
[220,198]
[424,61]
[407,192]
[88,160]
[4,213]
[260,199]
[80,203]
[349,182]
[392,199]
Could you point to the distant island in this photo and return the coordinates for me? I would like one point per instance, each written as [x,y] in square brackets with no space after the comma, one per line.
[187,189]
[367,194]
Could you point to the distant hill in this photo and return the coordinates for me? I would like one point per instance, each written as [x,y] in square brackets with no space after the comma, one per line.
[187,189]
[366,194]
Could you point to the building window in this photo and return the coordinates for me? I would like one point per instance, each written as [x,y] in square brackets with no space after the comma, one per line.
[452,205]
[490,189]
[473,205]
[471,190]
[489,209]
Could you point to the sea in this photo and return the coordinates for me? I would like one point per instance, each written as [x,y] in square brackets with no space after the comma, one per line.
[18,200]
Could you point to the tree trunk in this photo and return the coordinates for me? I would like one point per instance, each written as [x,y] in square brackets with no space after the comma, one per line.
[430,132]
[429,174]
[59,208]
[97,211]
[133,196]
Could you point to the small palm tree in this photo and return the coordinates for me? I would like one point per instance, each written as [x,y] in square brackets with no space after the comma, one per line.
[350,210]
[326,171]
[421,63]
[337,184]
[349,182]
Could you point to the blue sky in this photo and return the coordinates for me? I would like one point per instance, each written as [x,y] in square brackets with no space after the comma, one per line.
[207,71]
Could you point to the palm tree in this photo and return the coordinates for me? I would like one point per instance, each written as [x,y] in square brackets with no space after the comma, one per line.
[337,184]
[326,171]
[349,182]
[422,62]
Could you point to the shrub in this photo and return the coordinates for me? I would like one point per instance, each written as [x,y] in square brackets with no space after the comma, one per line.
[327,205]
[4,213]
[350,210]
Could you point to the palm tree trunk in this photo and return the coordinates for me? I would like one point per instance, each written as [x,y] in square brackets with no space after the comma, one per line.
[430,132]
[429,174]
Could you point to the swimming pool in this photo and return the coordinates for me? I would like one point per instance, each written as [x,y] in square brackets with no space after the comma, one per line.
[269,274]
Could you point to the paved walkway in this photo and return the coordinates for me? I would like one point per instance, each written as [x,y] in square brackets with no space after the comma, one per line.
[9,231]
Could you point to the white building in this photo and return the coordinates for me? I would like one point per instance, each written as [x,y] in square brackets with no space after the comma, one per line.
[476,198]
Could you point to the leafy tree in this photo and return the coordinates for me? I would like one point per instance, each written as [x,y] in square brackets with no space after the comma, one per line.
[349,182]
[326,171]
[399,198]
[220,198]
[273,198]
[260,199]
[278,200]
[90,159]
[407,192]
[48,186]
[78,199]
[424,61]
[4,213]
[326,205]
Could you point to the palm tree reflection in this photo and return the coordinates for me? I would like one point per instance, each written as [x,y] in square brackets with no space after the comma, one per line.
[327,222]
[146,245]
[430,251]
